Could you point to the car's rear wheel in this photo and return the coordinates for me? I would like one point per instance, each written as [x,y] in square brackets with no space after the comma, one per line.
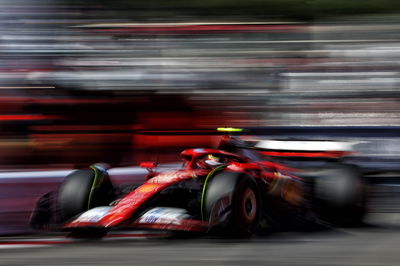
[232,204]
[340,195]
[82,190]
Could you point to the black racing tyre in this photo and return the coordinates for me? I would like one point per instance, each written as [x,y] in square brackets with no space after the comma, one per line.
[79,192]
[232,204]
[340,195]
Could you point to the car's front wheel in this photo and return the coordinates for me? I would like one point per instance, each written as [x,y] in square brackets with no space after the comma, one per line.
[82,190]
[232,204]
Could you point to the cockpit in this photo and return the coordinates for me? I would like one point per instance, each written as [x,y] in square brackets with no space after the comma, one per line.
[208,158]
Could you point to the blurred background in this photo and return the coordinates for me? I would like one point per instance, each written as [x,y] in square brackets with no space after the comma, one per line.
[123,81]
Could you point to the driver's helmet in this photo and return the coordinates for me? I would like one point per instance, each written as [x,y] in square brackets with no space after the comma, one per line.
[213,160]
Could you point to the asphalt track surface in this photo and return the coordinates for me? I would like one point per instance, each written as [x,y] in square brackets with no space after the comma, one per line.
[376,243]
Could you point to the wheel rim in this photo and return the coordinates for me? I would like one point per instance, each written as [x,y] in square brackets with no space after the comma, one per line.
[249,205]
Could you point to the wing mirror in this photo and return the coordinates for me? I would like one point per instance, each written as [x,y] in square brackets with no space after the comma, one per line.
[150,167]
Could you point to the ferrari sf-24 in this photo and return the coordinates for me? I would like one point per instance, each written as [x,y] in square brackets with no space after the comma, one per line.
[234,190]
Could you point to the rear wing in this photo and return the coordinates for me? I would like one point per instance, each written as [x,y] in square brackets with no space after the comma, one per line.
[305,148]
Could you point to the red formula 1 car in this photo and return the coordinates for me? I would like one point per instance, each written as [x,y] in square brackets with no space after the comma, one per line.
[232,190]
